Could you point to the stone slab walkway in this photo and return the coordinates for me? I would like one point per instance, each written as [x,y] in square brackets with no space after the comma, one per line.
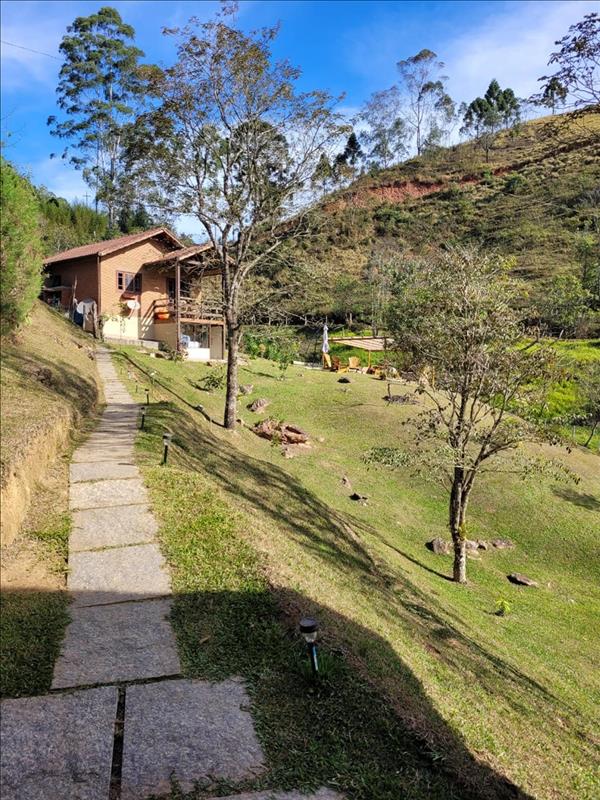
[118,669]
[115,565]
[191,729]
[58,746]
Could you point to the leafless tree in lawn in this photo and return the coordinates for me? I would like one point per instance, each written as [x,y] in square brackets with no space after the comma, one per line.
[234,143]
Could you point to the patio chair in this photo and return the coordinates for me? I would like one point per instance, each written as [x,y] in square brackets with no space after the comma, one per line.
[326,361]
[337,365]
[354,364]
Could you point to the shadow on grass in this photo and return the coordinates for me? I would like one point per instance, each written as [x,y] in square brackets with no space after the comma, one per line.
[581,499]
[339,541]
[338,730]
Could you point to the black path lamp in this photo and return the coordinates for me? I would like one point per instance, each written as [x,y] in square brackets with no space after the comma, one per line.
[143,421]
[309,628]
[147,396]
[166,442]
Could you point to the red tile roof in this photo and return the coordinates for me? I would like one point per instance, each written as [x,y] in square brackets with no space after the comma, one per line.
[111,245]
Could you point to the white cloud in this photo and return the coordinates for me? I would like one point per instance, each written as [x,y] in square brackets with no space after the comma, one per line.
[59,178]
[512,46]
[34,26]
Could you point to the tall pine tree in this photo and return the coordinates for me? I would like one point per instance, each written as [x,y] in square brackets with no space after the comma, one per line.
[101,84]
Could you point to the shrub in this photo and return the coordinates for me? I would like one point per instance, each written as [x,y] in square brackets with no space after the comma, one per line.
[514,183]
[389,219]
[20,248]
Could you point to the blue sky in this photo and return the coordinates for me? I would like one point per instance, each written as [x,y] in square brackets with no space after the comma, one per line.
[346,46]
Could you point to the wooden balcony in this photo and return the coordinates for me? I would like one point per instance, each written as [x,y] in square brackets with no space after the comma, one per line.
[204,311]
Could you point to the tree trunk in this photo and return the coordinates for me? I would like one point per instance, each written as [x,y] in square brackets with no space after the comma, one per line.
[233,340]
[457,519]
[592,432]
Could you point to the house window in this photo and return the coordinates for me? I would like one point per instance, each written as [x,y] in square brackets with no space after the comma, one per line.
[129,282]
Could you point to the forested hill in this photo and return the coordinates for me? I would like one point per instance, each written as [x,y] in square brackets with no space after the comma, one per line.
[535,195]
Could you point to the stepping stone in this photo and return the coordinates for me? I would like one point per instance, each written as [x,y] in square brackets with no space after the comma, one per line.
[58,746]
[85,454]
[118,492]
[110,438]
[321,794]
[188,730]
[102,470]
[116,575]
[94,528]
[126,641]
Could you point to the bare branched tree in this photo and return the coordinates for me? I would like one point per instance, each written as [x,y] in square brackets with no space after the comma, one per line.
[233,142]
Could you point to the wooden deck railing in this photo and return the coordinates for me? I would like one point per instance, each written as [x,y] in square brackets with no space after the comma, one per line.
[207,308]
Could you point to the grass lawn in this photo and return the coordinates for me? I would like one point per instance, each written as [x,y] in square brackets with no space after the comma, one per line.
[428,692]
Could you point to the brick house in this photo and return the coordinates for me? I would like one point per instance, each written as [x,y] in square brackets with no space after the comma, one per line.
[148,287]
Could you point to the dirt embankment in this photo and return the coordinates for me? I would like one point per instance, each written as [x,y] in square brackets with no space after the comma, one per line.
[49,388]
[400,191]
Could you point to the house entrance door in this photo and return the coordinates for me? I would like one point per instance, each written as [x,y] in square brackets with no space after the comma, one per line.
[216,342]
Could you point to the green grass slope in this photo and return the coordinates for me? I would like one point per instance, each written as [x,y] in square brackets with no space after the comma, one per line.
[508,704]
[49,389]
[534,199]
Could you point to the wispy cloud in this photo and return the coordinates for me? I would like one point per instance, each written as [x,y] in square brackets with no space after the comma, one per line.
[59,178]
[33,26]
[512,42]
[512,46]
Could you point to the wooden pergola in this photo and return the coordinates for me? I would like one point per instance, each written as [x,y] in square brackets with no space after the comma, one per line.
[373,344]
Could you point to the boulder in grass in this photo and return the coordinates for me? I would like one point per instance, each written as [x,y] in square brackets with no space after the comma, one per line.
[284,432]
[482,545]
[259,405]
[246,388]
[471,544]
[521,580]
[439,546]
[502,544]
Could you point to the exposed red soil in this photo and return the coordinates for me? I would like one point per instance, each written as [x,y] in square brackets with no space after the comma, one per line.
[399,191]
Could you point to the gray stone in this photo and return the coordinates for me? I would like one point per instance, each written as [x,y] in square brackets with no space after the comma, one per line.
[126,641]
[320,794]
[502,544]
[94,528]
[89,454]
[189,730]
[439,546]
[118,492]
[521,580]
[110,439]
[122,573]
[58,747]
[471,544]
[102,470]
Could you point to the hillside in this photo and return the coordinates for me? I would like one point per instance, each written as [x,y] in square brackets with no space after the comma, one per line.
[534,200]
[48,386]
[49,391]
[486,706]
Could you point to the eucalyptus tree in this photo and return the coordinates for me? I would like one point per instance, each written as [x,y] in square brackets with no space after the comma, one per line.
[458,315]
[385,131]
[101,83]
[233,142]
[428,104]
